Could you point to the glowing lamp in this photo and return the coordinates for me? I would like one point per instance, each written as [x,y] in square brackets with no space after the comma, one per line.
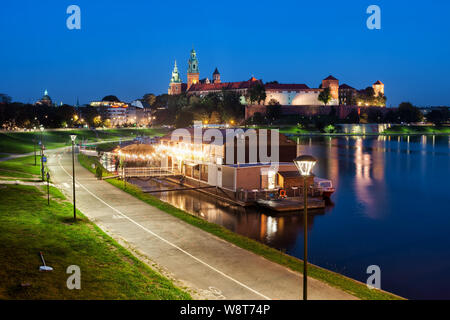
[304,164]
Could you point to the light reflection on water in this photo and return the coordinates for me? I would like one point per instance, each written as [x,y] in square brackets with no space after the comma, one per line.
[391,208]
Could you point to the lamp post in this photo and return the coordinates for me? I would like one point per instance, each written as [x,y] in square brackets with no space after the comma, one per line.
[48,188]
[41,128]
[34,144]
[73,137]
[304,165]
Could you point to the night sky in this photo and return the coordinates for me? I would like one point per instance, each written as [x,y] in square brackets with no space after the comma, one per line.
[128,48]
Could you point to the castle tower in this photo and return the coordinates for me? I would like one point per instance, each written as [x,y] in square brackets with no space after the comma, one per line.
[216,76]
[378,87]
[175,81]
[193,74]
[332,83]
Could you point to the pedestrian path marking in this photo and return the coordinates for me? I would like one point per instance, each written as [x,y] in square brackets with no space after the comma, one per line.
[167,241]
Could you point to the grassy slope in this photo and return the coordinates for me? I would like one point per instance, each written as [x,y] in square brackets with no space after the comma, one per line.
[394,130]
[28,225]
[351,286]
[22,167]
[417,130]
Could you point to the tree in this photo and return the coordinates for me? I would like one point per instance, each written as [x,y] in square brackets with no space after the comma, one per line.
[107,123]
[150,98]
[66,114]
[352,117]
[231,106]
[184,119]
[368,97]
[273,102]
[274,112]
[408,113]
[390,117]
[4,98]
[161,101]
[98,172]
[97,121]
[333,115]
[257,118]
[375,115]
[438,117]
[257,93]
[214,118]
[329,128]
[325,96]
[88,114]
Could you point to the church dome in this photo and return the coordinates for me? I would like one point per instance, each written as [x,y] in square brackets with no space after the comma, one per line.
[46,97]
[111,98]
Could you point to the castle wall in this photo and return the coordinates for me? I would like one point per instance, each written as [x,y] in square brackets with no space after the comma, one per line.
[312,110]
[192,78]
[306,97]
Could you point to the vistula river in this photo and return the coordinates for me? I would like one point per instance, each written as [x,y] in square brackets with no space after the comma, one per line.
[391,208]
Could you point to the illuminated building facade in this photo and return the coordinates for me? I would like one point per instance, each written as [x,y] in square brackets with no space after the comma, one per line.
[209,163]
[296,94]
[378,88]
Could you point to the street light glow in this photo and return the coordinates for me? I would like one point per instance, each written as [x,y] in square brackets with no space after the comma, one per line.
[304,164]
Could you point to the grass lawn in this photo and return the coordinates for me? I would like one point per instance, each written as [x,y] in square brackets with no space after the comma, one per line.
[108,271]
[417,130]
[288,129]
[90,163]
[22,167]
[351,286]
[28,225]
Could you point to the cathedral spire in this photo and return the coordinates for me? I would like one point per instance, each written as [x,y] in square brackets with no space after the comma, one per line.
[193,62]
[175,75]
[193,73]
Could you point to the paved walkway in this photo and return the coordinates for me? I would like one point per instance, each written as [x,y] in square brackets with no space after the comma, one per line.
[210,267]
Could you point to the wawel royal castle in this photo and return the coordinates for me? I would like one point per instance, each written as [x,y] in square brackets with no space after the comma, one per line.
[285,94]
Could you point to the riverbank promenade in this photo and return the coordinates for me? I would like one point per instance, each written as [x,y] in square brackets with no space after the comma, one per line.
[209,267]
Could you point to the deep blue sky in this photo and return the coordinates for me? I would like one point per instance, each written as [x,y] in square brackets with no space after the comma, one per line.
[127,48]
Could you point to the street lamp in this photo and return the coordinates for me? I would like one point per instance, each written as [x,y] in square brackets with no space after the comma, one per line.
[304,165]
[34,144]
[73,137]
[42,151]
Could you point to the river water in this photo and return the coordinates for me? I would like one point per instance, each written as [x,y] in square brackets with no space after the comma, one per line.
[391,208]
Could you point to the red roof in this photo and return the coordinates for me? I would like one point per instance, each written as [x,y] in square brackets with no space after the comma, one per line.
[286,86]
[378,82]
[223,85]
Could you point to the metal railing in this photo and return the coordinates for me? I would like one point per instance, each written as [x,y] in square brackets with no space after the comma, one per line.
[143,172]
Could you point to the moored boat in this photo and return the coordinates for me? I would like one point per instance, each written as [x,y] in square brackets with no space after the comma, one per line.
[324,187]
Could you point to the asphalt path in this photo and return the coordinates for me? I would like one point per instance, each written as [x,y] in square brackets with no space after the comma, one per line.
[209,267]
